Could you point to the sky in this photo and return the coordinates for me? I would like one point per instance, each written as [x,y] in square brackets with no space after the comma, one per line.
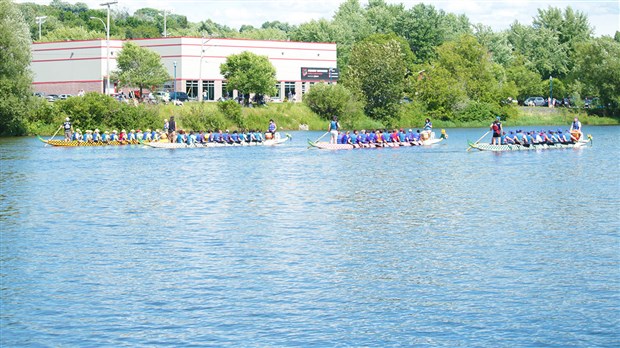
[604,15]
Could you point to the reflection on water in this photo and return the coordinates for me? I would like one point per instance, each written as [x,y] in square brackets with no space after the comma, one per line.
[290,246]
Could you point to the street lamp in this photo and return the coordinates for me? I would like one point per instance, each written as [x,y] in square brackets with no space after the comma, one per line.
[40,21]
[174,83]
[202,51]
[165,13]
[107,55]
[107,29]
[550,91]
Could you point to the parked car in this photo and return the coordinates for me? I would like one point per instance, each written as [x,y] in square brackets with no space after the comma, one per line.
[180,96]
[64,96]
[162,95]
[591,103]
[51,97]
[535,101]
[39,94]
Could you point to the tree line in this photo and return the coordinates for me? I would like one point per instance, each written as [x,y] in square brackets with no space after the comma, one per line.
[399,63]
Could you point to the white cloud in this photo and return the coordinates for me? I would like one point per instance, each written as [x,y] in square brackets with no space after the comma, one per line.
[499,14]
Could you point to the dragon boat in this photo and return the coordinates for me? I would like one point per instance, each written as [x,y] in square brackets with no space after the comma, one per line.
[529,147]
[277,140]
[323,145]
[75,143]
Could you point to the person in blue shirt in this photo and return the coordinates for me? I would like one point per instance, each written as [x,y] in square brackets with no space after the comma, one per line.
[272,127]
[180,138]
[333,129]
[256,136]
[113,136]
[354,137]
[502,139]
[217,137]
[105,137]
[234,137]
[415,138]
[363,137]
[402,136]
[190,139]
[226,137]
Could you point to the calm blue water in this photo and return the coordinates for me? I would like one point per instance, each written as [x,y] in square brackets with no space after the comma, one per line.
[287,246]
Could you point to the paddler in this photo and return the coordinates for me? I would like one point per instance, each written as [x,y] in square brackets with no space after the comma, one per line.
[96,136]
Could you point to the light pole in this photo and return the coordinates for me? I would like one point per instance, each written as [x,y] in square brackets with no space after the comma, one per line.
[174,83]
[40,21]
[202,51]
[107,29]
[550,91]
[165,13]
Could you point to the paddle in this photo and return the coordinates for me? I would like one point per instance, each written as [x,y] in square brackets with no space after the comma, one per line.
[321,137]
[58,130]
[482,137]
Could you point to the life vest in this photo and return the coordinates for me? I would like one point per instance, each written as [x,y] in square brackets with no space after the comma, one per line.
[333,125]
[67,125]
[576,125]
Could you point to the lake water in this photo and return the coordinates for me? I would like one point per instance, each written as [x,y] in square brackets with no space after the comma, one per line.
[286,246]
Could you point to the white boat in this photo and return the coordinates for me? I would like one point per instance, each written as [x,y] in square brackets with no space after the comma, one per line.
[277,140]
[530,147]
[327,146]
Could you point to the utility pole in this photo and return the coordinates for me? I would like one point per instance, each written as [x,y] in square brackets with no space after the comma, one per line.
[165,13]
[107,28]
[40,21]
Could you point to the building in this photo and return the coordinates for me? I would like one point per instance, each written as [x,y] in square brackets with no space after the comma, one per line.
[71,66]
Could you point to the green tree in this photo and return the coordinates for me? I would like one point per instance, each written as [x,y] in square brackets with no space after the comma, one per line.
[72,33]
[376,73]
[15,76]
[497,43]
[320,30]
[462,72]
[598,67]
[526,79]
[249,73]
[139,67]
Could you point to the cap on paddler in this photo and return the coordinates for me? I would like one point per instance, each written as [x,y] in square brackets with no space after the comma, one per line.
[497,118]
[67,119]
[106,132]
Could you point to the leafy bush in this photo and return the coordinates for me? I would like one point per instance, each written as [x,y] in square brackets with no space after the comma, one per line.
[331,100]
[476,111]
[232,111]
[96,110]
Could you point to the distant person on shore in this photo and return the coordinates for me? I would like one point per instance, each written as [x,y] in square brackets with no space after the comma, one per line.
[496,127]
[334,126]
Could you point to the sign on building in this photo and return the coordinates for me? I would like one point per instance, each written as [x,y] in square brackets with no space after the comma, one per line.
[319,74]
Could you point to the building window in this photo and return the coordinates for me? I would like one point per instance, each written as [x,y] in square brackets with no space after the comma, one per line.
[208,90]
[226,94]
[191,88]
[169,85]
[277,95]
[289,90]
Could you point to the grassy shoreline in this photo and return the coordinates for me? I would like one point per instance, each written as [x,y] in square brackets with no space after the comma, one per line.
[289,116]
